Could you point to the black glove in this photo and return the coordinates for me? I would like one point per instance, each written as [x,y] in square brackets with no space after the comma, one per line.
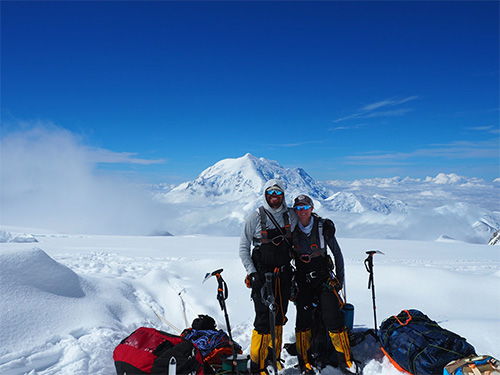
[328,229]
[256,281]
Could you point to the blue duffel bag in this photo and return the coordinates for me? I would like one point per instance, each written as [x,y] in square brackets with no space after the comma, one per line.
[418,345]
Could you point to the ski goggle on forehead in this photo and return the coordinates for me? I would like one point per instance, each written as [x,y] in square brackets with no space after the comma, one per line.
[272,191]
[300,208]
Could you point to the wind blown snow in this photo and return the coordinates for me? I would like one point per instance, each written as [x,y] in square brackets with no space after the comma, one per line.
[50,180]
[68,300]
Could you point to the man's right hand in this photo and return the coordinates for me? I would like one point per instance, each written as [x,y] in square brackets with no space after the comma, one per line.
[256,281]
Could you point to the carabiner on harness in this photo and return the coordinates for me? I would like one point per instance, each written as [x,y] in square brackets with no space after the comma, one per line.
[306,258]
[277,240]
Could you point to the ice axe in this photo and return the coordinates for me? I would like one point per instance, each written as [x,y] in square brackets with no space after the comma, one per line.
[268,299]
[371,281]
[222,294]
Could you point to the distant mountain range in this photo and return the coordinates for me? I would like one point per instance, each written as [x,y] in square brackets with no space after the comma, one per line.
[445,206]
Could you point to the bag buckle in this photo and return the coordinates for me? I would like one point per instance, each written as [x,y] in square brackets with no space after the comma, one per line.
[311,276]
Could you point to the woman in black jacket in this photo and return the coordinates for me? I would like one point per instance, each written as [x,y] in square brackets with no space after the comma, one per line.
[319,281]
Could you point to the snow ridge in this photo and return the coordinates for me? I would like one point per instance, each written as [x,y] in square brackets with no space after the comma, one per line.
[6,237]
[360,203]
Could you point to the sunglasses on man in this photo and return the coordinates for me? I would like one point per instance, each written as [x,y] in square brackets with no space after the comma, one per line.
[276,192]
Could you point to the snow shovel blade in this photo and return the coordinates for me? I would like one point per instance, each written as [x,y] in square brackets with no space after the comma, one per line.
[210,274]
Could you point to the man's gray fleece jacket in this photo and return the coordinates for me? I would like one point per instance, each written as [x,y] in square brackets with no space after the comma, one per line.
[252,227]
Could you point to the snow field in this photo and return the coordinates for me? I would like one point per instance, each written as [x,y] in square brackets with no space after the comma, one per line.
[67,301]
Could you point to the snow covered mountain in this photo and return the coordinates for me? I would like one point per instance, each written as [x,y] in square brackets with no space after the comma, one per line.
[445,206]
[218,201]
[242,179]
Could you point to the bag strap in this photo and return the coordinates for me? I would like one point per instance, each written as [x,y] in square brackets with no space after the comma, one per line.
[320,234]
[263,226]
[474,368]
[455,365]
[407,320]
[288,227]
[271,217]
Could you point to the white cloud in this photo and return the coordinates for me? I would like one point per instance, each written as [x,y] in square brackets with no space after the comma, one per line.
[487,129]
[49,180]
[99,155]
[387,103]
[455,151]
[296,144]
[371,110]
[480,128]
[348,127]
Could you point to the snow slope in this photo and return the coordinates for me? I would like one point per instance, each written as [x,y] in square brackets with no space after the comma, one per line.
[68,300]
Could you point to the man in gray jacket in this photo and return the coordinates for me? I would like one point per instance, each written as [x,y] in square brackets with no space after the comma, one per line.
[268,230]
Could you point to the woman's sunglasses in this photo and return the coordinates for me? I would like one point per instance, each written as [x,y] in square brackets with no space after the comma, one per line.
[300,208]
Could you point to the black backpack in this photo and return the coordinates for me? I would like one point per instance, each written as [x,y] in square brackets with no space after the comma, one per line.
[149,351]
[203,322]
[418,345]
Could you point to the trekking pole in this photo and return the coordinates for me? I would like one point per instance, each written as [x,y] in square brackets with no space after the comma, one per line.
[371,281]
[222,294]
[267,297]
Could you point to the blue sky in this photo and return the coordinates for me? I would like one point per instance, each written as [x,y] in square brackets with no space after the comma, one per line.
[345,90]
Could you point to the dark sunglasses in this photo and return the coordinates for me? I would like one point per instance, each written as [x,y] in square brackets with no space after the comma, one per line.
[277,192]
[300,208]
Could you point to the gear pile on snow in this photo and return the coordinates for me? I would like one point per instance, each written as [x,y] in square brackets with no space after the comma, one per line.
[214,345]
[149,351]
[473,365]
[413,343]
[416,344]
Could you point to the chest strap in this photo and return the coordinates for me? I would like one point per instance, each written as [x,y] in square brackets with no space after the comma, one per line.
[263,213]
[315,251]
[306,258]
